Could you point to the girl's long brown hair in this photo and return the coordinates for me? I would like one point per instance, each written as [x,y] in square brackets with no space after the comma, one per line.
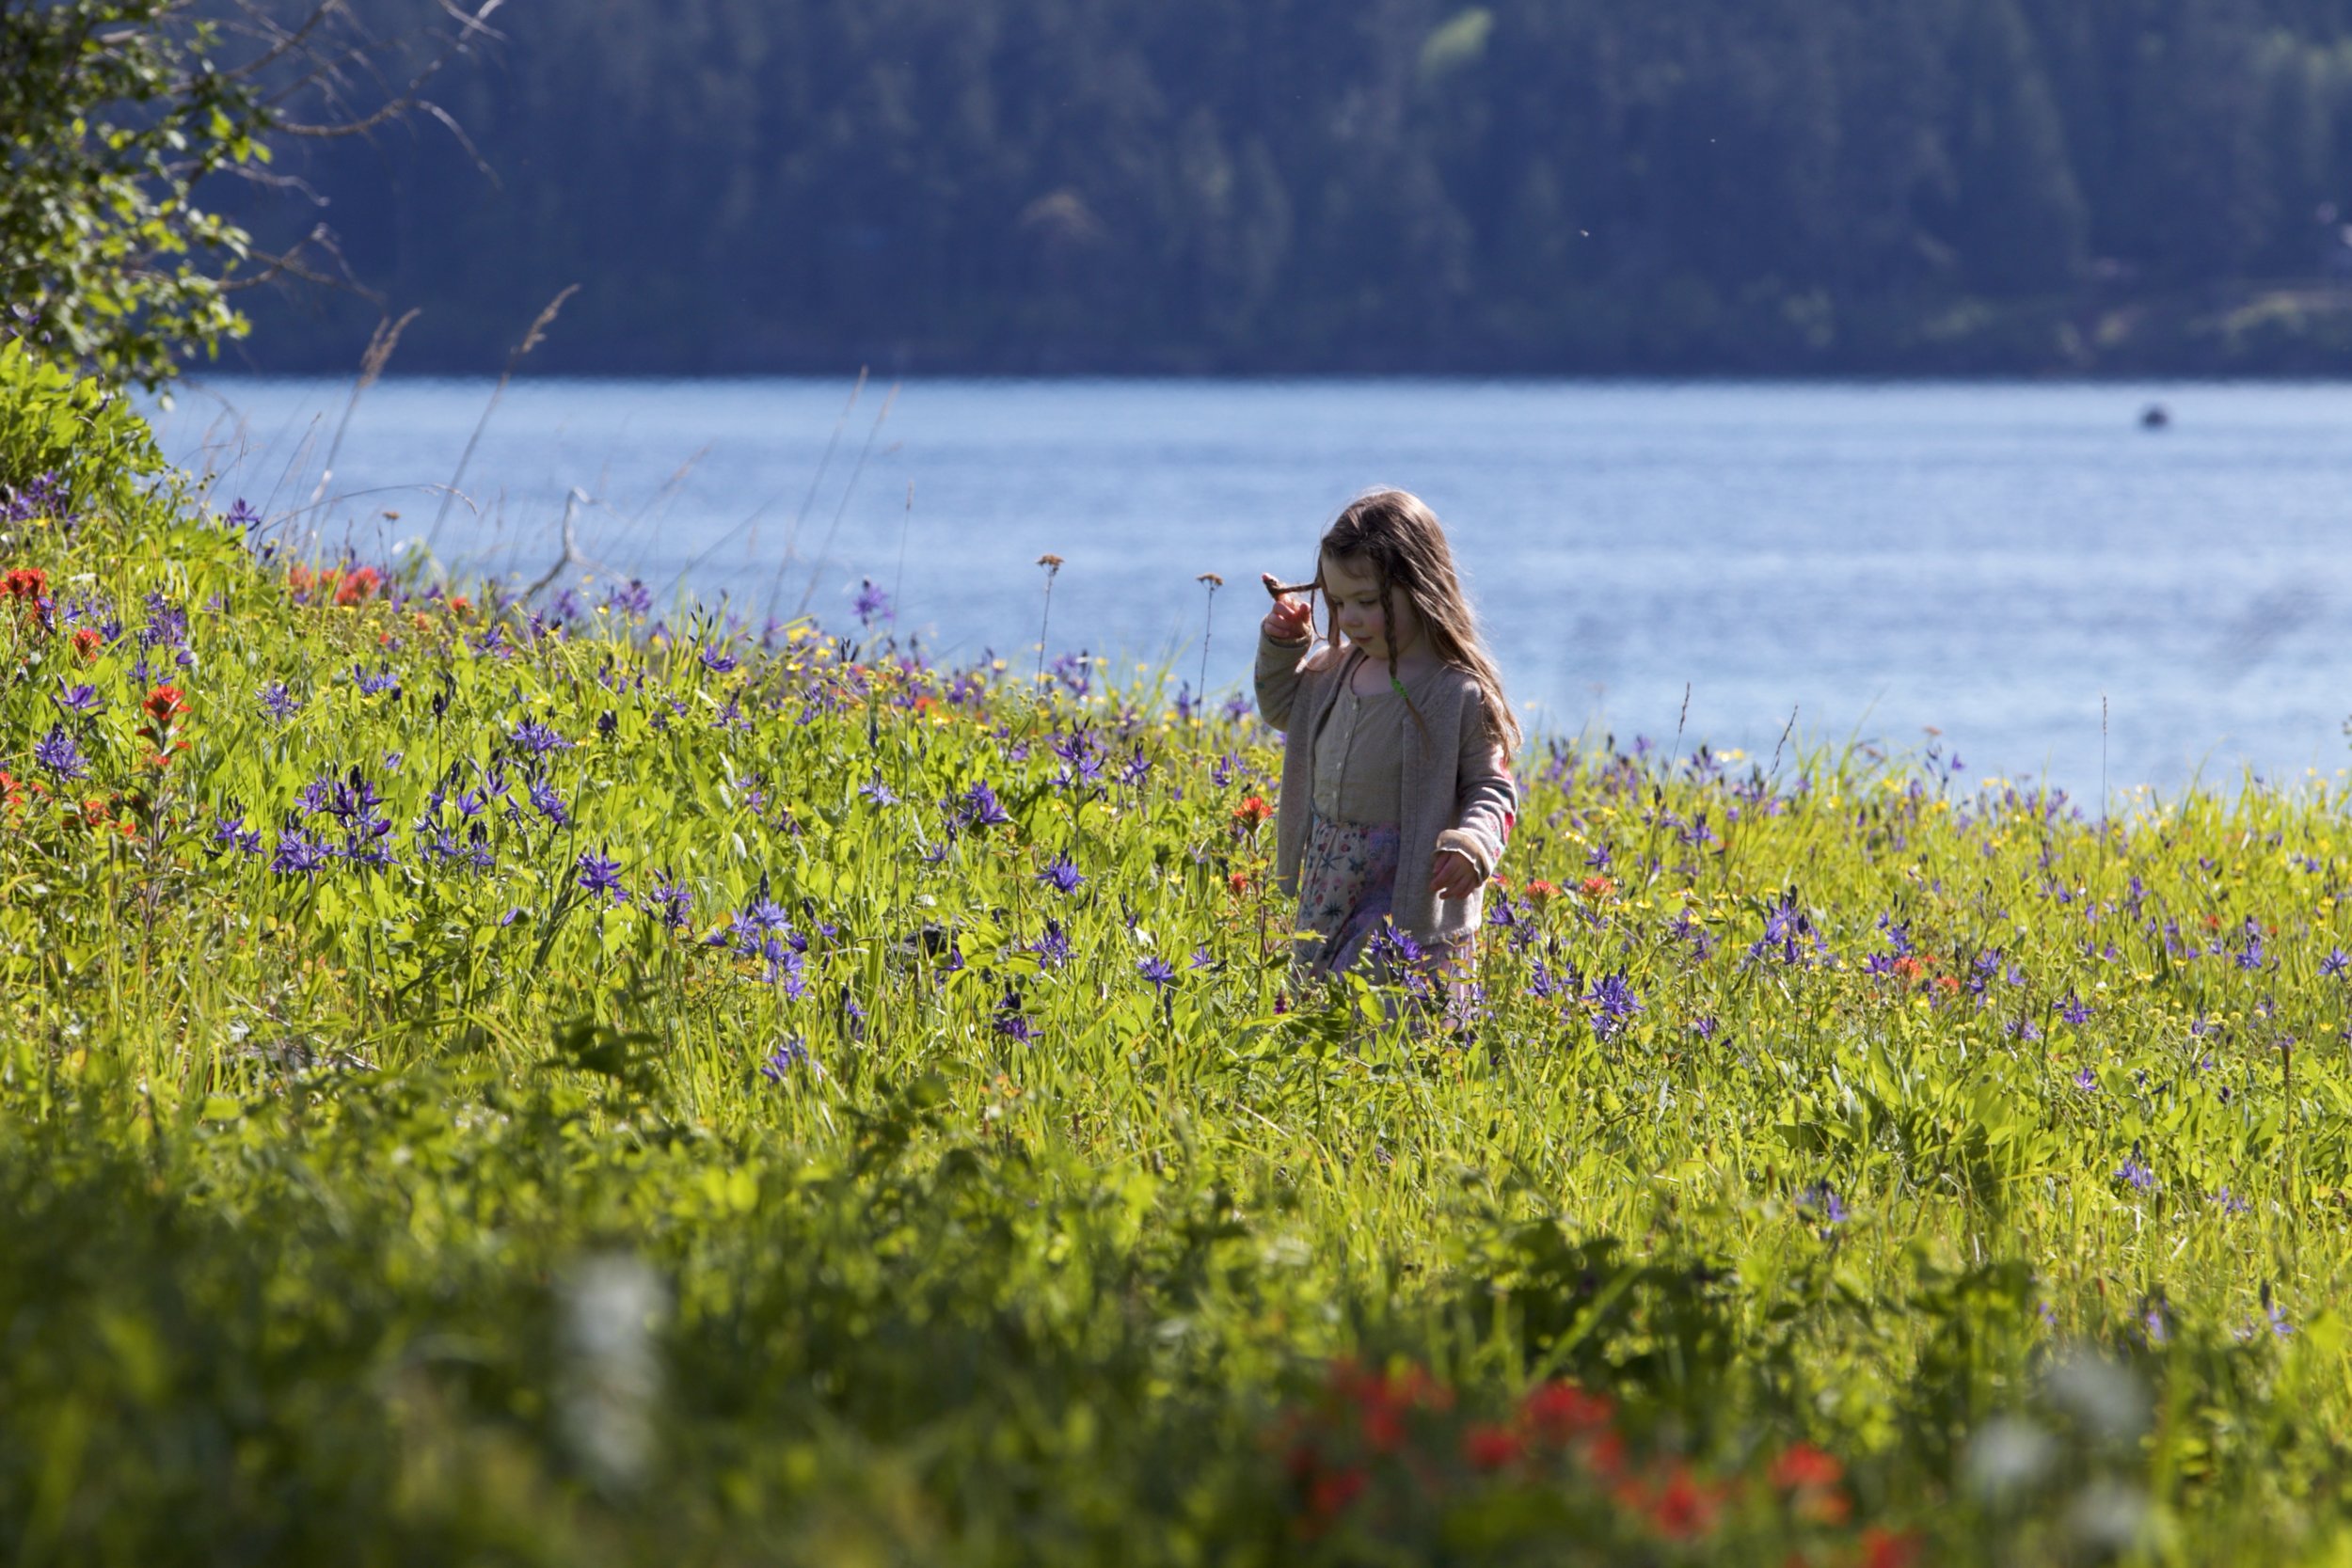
[1402,539]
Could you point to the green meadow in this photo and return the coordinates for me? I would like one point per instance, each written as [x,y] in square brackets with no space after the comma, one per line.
[573,1081]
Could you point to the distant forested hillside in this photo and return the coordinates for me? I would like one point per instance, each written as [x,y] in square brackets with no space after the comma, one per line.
[1590,185]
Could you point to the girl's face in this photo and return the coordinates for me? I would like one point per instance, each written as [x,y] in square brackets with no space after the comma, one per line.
[1353,588]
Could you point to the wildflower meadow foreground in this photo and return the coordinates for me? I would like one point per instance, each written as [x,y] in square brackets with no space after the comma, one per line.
[536,1082]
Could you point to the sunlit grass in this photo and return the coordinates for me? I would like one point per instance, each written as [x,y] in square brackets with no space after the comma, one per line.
[454,957]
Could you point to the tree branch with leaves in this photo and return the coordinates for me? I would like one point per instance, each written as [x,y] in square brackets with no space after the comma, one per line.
[117,115]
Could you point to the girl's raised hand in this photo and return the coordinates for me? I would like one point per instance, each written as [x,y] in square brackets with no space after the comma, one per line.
[1292,619]
[1453,874]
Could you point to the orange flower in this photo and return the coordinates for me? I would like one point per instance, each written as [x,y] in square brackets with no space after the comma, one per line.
[27,583]
[1560,1412]
[1491,1448]
[86,643]
[1251,813]
[1596,887]
[360,585]
[1909,968]
[1334,1490]
[1682,1509]
[1240,882]
[1803,1467]
[164,703]
[1885,1549]
[1809,1477]
[1540,893]
[1947,984]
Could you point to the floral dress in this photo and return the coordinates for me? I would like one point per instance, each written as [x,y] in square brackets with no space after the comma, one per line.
[1345,888]
[1347,877]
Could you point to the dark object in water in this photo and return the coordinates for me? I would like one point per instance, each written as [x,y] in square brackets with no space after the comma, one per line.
[2155,416]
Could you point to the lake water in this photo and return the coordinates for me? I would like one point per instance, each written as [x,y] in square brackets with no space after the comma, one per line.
[1989,560]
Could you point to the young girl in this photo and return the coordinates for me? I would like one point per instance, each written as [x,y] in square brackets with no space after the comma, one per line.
[1396,795]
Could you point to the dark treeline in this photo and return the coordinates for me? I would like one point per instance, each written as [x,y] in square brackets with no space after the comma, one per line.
[1583,185]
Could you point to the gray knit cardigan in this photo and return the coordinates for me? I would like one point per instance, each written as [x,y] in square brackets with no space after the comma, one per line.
[1456,793]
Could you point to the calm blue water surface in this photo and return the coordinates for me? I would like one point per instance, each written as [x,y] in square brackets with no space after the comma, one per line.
[1989,560]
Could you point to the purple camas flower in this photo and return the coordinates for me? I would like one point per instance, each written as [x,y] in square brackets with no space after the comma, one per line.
[2134,1172]
[787,969]
[56,755]
[1074,670]
[279,702]
[474,850]
[1010,1022]
[1613,1004]
[872,604]
[1785,925]
[547,804]
[1061,874]
[242,515]
[352,801]
[2335,963]
[878,792]
[669,902]
[1053,948]
[2073,1009]
[1202,957]
[1157,971]
[635,599]
[788,1057]
[979,808]
[718,661]
[1081,756]
[167,624]
[2087,1081]
[1821,1201]
[601,875]
[373,685]
[298,854]
[1237,707]
[533,739]
[80,700]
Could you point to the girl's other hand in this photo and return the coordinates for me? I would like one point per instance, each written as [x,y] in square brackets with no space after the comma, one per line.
[1290,620]
[1453,875]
